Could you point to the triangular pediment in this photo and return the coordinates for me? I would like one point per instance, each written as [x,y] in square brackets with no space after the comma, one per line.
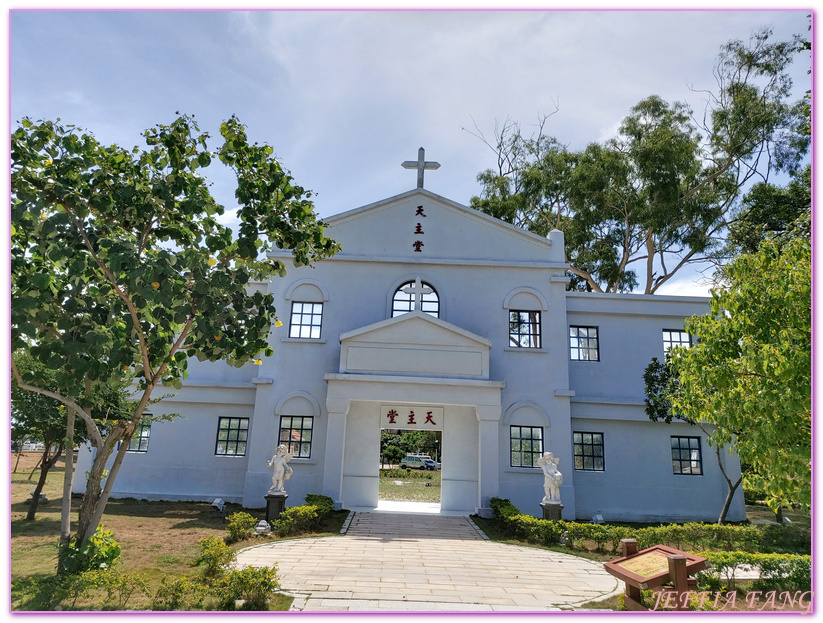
[422,226]
[415,344]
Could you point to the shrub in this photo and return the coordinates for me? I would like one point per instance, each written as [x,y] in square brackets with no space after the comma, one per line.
[241,526]
[117,587]
[787,572]
[406,474]
[502,508]
[215,554]
[298,519]
[100,552]
[691,536]
[178,593]
[792,539]
[41,593]
[253,585]
[323,503]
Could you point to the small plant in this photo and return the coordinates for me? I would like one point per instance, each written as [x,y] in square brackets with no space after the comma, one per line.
[100,552]
[215,555]
[300,519]
[323,503]
[179,593]
[254,586]
[405,474]
[117,587]
[41,593]
[241,526]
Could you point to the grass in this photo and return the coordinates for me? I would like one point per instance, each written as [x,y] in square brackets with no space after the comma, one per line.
[413,486]
[761,512]
[158,539]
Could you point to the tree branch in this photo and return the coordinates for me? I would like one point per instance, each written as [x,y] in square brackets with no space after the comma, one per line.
[94,433]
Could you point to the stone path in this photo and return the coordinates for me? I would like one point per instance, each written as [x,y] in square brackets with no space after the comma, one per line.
[395,562]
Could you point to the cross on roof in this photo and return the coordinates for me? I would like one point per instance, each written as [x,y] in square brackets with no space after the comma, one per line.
[417,289]
[421,165]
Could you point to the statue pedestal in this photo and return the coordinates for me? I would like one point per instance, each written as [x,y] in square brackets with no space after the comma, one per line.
[552,510]
[275,504]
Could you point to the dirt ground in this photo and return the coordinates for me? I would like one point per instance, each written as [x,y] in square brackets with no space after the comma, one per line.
[156,538]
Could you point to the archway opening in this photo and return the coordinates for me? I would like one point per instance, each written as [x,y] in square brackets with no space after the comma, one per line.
[410,466]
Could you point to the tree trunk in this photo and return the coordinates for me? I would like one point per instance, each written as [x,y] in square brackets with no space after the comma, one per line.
[19,454]
[46,464]
[39,463]
[729,496]
[65,510]
[91,498]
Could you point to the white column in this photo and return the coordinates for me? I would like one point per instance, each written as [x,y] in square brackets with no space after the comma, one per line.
[335,450]
[488,417]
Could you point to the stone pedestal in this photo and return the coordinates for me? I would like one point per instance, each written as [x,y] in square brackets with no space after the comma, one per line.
[552,510]
[275,504]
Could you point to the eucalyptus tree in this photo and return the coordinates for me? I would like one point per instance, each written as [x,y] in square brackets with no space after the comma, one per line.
[121,266]
[660,195]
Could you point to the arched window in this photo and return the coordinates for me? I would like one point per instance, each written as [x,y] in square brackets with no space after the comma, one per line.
[408,294]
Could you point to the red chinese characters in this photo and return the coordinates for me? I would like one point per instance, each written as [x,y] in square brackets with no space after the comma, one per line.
[392,415]
[411,418]
[429,419]
[418,246]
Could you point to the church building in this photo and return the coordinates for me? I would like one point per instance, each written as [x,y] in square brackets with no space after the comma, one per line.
[435,316]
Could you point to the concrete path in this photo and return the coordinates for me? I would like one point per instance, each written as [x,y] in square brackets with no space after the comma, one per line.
[395,562]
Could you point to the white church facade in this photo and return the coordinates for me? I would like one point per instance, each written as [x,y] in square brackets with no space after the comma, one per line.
[436,316]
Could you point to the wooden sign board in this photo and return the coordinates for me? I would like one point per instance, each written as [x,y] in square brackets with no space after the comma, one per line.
[650,567]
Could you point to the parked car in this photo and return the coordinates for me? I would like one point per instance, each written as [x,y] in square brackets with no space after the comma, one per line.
[430,464]
[413,462]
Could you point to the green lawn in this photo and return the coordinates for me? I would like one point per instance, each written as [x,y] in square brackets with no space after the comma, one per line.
[413,486]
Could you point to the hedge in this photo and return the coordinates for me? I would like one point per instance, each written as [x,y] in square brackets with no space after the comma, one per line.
[784,572]
[688,536]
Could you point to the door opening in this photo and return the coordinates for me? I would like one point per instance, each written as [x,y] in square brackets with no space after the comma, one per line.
[410,466]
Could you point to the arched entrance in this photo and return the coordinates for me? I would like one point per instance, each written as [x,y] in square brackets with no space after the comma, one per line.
[413,363]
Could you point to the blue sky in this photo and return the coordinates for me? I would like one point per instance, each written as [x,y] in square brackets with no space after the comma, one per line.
[345,96]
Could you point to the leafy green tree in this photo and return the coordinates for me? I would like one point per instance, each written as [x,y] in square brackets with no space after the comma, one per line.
[121,267]
[393,455]
[749,374]
[659,196]
[39,418]
[662,384]
[768,209]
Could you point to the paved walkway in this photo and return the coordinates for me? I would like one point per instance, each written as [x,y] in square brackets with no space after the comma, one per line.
[425,562]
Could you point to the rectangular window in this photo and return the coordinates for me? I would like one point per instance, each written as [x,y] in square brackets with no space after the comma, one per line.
[140,439]
[686,457]
[672,338]
[524,329]
[526,445]
[588,452]
[583,344]
[306,319]
[295,434]
[232,434]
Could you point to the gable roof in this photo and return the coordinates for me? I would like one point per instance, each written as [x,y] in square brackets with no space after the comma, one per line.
[420,225]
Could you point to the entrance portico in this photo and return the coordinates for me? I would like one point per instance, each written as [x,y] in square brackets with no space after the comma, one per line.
[413,362]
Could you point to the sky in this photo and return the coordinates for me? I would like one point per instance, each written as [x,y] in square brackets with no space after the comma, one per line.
[345,97]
